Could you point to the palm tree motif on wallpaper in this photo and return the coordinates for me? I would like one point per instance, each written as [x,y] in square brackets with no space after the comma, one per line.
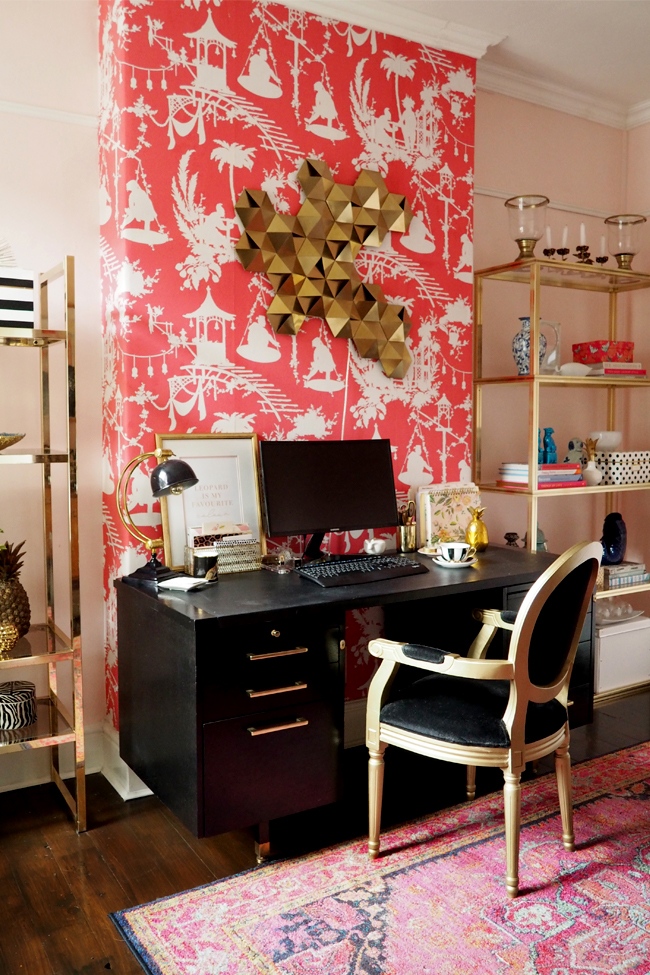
[234,156]
[398,66]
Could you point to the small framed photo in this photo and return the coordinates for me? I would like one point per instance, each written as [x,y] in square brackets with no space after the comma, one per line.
[226,465]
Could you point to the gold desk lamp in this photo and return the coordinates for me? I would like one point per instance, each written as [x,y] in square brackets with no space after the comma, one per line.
[171,476]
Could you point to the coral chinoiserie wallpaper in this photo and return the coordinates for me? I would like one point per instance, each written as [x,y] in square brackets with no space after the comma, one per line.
[201,99]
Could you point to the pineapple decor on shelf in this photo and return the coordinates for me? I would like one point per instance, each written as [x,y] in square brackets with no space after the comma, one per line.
[14,604]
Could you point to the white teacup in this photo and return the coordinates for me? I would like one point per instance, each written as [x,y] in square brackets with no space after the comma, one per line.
[374,546]
[456,551]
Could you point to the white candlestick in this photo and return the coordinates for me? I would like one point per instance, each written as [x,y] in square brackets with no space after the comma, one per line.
[583,235]
[603,250]
[548,237]
[565,235]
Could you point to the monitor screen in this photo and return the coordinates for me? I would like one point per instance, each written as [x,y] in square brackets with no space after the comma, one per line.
[315,486]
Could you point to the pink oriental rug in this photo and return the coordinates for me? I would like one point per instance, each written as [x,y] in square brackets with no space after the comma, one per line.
[434,903]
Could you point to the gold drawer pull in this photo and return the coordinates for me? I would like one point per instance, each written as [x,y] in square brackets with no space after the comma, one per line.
[277,653]
[296,723]
[298,686]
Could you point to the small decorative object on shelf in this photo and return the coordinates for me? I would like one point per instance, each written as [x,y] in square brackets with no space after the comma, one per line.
[15,613]
[16,299]
[17,704]
[551,363]
[614,539]
[624,237]
[592,474]
[521,347]
[527,215]
[575,449]
[542,544]
[9,439]
[549,452]
[476,533]
[602,350]
[602,257]
[582,254]
[511,539]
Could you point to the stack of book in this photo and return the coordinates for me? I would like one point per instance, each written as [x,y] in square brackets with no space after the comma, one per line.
[548,476]
[617,369]
[623,574]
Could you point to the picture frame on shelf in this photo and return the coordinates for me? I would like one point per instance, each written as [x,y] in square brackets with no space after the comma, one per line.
[227,467]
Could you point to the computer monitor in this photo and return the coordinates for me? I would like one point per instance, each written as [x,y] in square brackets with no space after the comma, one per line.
[316,486]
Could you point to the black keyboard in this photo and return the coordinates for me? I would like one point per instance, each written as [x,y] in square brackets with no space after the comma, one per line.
[348,572]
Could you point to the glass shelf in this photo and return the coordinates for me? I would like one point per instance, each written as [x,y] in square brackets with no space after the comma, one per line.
[39,734]
[30,337]
[621,591]
[591,381]
[39,457]
[41,645]
[562,274]
[555,492]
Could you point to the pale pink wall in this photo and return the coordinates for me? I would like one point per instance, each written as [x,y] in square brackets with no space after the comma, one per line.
[524,148]
[49,208]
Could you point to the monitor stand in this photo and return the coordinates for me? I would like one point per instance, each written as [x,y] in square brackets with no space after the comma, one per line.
[313,550]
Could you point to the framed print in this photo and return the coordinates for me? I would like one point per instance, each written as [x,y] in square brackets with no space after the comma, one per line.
[228,488]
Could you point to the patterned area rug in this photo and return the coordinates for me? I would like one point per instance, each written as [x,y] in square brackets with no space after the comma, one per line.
[434,903]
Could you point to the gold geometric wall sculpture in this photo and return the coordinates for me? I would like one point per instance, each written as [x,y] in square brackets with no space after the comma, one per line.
[309,260]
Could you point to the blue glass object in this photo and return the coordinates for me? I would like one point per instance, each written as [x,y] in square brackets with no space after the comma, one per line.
[550,450]
[614,539]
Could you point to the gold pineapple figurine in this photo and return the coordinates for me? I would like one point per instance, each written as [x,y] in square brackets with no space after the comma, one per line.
[14,604]
[476,533]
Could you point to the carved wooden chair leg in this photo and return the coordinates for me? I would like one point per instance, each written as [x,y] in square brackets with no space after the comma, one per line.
[512,804]
[470,787]
[375,793]
[563,774]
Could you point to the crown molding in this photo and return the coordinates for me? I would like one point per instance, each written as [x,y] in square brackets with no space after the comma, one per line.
[639,114]
[552,205]
[51,114]
[528,88]
[386,17]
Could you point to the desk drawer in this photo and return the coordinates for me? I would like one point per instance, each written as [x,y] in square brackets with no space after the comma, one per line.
[251,670]
[289,764]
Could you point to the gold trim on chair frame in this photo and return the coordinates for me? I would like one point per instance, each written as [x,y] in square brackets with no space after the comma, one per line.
[511,760]
[160,438]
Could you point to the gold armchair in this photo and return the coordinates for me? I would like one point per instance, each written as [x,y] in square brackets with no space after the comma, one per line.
[495,713]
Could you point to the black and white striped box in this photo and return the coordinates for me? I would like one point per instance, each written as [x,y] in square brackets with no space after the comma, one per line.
[16,298]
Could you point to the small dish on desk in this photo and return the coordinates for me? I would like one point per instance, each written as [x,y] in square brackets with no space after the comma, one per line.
[444,564]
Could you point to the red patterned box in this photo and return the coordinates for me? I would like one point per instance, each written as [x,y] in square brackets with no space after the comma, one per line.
[602,350]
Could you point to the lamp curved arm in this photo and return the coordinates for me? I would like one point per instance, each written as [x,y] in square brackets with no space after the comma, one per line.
[120,497]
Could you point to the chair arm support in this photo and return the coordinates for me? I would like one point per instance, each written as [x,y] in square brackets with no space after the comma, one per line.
[425,658]
[495,617]
[481,669]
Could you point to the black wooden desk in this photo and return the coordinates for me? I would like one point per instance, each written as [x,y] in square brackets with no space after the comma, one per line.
[231,699]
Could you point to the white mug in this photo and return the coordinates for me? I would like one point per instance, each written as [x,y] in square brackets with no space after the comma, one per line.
[456,551]
[374,546]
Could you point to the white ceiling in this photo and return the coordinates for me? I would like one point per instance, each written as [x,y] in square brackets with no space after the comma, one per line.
[598,48]
[585,57]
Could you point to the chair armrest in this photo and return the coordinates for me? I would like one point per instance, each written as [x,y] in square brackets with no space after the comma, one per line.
[451,663]
[503,618]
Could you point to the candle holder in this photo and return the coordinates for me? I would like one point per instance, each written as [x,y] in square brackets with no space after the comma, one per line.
[562,252]
[582,254]
[624,232]
[603,259]
[527,216]
[548,251]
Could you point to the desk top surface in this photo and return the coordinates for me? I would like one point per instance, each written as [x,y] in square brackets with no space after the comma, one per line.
[253,596]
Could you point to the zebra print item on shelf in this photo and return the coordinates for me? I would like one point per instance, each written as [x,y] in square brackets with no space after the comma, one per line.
[17,704]
[16,298]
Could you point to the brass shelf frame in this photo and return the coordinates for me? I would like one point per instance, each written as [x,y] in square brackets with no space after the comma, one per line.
[47,644]
[538,273]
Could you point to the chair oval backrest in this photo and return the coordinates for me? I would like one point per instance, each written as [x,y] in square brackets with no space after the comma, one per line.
[548,625]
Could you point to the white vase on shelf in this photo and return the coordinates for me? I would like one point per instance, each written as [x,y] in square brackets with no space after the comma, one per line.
[592,474]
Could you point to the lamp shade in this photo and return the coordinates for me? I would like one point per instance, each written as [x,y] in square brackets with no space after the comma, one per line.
[172,477]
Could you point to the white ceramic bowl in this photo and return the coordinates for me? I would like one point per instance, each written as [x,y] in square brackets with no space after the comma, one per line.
[607,439]
[575,369]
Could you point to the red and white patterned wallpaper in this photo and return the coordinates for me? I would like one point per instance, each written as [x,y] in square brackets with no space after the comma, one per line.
[200,99]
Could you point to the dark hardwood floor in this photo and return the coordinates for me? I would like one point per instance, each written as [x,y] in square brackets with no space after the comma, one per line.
[57,888]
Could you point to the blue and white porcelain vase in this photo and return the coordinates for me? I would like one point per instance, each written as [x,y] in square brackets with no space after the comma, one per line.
[521,347]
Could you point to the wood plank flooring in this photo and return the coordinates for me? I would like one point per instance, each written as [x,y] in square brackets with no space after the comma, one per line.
[57,888]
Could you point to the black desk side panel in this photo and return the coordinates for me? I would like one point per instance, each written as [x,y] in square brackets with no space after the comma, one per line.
[158,704]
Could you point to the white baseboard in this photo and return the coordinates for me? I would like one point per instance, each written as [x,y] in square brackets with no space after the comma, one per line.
[355,723]
[19,770]
[125,782]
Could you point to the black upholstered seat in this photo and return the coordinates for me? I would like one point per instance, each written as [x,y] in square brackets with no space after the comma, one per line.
[466,712]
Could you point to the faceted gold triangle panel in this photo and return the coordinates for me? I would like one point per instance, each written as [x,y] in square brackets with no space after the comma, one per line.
[309,259]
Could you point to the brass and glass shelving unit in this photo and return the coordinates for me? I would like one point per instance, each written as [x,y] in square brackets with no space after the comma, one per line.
[538,274]
[47,644]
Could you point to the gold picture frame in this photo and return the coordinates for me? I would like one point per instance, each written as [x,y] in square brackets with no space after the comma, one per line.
[228,466]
